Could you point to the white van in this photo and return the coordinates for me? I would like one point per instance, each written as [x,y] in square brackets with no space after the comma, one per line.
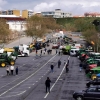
[73,51]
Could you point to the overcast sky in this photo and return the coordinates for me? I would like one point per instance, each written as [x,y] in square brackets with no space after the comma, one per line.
[76,7]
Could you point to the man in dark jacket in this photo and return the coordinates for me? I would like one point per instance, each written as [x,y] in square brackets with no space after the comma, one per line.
[47,84]
[52,67]
[59,63]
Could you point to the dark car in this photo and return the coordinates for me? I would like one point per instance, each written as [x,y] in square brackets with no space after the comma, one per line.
[93,82]
[92,93]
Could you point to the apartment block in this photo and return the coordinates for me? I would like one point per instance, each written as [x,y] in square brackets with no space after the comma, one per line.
[56,14]
[27,13]
[3,12]
[13,12]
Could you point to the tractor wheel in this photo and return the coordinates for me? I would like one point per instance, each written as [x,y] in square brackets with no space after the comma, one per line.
[3,64]
[93,76]
[12,62]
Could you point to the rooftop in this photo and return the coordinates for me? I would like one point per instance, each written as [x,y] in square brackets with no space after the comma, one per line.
[8,16]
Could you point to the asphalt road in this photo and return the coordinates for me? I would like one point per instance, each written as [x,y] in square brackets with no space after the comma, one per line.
[29,84]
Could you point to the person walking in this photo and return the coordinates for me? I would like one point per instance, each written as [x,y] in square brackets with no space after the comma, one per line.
[67,69]
[36,52]
[47,84]
[59,52]
[16,70]
[80,65]
[12,69]
[52,67]
[41,53]
[44,52]
[56,51]
[59,63]
[8,70]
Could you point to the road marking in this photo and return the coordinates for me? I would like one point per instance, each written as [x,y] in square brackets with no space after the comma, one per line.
[33,84]
[26,78]
[39,78]
[56,80]
[29,87]
[36,81]
[14,95]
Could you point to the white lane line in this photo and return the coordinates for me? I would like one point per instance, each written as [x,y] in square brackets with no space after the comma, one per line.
[56,80]
[39,78]
[36,81]
[14,95]
[29,87]
[26,78]
[33,84]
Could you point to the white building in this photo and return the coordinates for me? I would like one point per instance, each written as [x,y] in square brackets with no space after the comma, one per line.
[15,23]
[56,14]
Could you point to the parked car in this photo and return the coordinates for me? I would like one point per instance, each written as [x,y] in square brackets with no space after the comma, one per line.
[96,81]
[92,93]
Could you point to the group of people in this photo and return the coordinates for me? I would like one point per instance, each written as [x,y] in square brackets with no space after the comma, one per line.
[49,51]
[48,81]
[10,70]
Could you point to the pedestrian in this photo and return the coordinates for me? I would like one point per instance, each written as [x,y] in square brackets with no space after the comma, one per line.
[16,70]
[56,51]
[45,49]
[47,84]
[36,52]
[12,69]
[59,52]
[67,69]
[44,52]
[41,53]
[59,63]
[8,70]
[52,67]
[80,65]
[48,51]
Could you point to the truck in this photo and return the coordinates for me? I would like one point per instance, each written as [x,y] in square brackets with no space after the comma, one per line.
[66,49]
[22,50]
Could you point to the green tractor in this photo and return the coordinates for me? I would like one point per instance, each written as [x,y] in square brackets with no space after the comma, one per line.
[93,72]
[66,50]
[6,60]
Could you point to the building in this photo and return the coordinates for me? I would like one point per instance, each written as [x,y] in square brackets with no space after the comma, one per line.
[4,12]
[13,12]
[27,13]
[56,14]
[92,14]
[15,23]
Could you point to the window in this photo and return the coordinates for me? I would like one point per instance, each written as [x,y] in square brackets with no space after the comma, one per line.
[91,90]
[72,51]
[98,89]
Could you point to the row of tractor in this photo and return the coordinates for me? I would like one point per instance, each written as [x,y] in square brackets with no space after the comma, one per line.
[90,62]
